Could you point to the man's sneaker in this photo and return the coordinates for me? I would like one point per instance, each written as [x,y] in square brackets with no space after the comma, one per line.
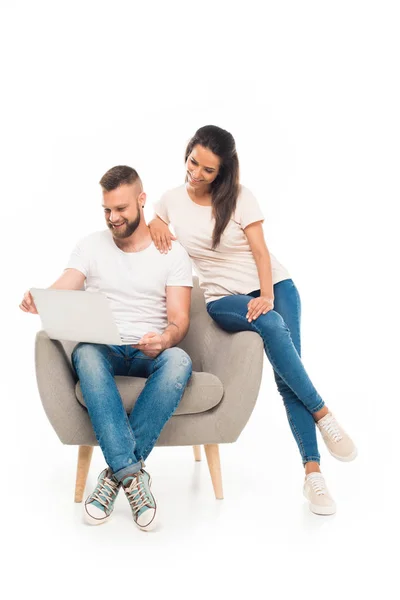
[339,444]
[143,504]
[316,492]
[100,504]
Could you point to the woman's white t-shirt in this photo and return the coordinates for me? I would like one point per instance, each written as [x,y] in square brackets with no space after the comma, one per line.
[231,267]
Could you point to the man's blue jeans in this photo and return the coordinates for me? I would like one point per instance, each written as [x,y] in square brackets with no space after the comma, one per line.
[280,332]
[125,441]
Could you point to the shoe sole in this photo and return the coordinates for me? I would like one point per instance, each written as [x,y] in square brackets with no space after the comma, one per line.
[150,527]
[92,521]
[324,511]
[320,510]
[349,458]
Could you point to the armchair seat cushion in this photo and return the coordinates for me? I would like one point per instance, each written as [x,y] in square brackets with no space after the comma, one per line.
[203,392]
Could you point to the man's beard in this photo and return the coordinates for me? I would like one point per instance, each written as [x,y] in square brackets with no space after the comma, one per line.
[126,230]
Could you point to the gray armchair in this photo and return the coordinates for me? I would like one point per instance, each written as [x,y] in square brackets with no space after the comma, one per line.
[215,407]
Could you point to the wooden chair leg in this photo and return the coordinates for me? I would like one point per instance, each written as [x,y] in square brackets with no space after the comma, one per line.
[214,465]
[197,453]
[84,458]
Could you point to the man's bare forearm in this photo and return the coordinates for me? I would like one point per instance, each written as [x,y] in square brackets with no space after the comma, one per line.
[175,332]
[71,279]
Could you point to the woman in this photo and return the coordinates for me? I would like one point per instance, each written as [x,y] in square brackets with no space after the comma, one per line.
[219,223]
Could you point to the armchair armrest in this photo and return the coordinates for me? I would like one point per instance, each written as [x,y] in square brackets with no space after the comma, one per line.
[56,383]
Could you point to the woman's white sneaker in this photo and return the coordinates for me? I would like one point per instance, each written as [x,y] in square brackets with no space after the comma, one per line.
[338,442]
[316,492]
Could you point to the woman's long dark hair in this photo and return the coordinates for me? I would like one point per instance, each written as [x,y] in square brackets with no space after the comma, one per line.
[225,187]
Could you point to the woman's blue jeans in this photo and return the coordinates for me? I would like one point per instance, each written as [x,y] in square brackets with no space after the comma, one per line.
[125,441]
[280,332]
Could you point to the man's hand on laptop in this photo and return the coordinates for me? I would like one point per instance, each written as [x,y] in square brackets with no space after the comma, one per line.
[28,305]
[151,344]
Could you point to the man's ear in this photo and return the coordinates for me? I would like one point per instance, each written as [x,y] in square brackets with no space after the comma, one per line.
[142,199]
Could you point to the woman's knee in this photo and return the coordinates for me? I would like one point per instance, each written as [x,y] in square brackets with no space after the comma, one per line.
[271,323]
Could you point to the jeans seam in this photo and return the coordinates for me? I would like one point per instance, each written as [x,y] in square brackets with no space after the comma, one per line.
[111,353]
[298,306]
[319,406]
[296,434]
[311,458]
[151,444]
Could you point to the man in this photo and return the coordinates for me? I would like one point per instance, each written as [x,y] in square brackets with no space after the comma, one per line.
[149,294]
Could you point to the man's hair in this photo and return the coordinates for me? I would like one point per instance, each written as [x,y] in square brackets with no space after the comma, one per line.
[117,176]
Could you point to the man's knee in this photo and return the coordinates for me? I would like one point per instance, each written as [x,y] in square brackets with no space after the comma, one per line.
[178,359]
[86,356]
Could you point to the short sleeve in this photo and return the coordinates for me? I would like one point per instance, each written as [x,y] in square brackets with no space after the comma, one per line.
[180,272]
[79,259]
[161,208]
[248,210]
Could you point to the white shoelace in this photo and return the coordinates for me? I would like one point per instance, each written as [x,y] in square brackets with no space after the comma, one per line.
[332,428]
[105,492]
[318,485]
[137,495]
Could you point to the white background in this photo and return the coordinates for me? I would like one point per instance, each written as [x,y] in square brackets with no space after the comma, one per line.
[310,90]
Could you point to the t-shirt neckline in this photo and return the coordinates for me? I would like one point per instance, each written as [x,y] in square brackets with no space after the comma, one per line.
[123,251]
[195,203]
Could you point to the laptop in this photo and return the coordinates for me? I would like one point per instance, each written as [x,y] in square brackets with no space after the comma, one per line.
[77,316]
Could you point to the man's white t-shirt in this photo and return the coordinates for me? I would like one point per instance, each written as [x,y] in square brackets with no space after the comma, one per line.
[133,282]
[231,267]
